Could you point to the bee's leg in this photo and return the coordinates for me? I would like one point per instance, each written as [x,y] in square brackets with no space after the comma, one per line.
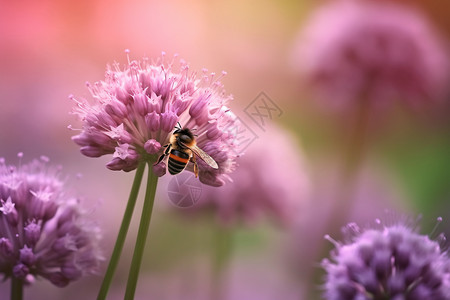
[160,159]
[166,152]
[195,166]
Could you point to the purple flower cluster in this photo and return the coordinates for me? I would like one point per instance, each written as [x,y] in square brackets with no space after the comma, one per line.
[375,50]
[135,111]
[42,230]
[388,262]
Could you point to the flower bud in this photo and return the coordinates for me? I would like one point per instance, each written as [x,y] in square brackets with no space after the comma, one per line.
[152,146]
[20,271]
[32,233]
[153,121]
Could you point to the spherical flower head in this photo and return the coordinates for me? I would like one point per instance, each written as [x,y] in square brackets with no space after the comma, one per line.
[387,262]
[355,50]
[43,232]
[271,182]
[134,112]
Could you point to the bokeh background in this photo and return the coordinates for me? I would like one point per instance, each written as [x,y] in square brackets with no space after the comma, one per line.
[49,49]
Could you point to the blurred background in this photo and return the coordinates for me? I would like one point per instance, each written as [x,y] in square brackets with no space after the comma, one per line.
[326,168]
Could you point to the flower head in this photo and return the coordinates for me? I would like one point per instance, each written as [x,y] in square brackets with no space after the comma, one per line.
[42,230]
[135,111]
[271,181]
[387,262]
[374,50]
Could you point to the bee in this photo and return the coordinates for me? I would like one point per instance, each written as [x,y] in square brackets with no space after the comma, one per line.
[183,148]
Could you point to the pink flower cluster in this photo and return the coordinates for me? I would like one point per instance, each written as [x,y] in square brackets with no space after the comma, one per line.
[135,111]
[351,50]
[264,185]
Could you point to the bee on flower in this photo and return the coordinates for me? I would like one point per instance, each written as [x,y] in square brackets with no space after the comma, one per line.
[134,113]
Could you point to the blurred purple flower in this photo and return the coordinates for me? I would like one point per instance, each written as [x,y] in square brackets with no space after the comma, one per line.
[271,180]
[353,50]
[135,111]
[42,230]
[387,262]
[373,192]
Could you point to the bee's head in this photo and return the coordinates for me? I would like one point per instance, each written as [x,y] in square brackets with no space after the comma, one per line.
[185,138]
[184,135]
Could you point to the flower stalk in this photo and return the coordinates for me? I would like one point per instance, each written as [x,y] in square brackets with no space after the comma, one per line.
[152,181]
[222,249]
[122,232]
[16,288]
[352,157]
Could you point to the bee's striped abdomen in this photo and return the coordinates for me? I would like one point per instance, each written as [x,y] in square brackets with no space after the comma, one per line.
[177,161]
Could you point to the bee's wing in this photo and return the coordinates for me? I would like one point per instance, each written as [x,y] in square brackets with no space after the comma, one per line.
[205,157]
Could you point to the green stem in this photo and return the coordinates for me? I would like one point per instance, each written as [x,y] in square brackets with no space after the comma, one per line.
[352,158]
[16,288]
[357,143]
[222,252]
[122,232]
[152,181]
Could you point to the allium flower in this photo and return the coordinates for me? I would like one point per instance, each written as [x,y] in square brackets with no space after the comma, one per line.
[42,230]
[271,181]
[373,192]
[135,111]
[370,49]
[387,262]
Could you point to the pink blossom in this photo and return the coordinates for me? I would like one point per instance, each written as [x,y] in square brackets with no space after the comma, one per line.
[134,112]
[353,50]
[271,181]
